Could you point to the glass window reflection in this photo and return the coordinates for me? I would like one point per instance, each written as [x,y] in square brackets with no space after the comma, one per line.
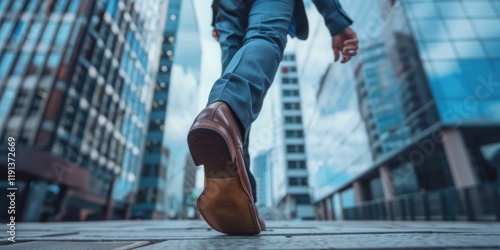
[5,30]
[48,33]
[422,10]
[446,80]
[432,30]
[73,6]
[63,34]
[474,70]
[20,64]
[7,101]
[460,29]
[450,9]
[487,28]
[440,50]
[34,32]
[19,31]
[492,48]
[469,49]
[37,63]
[3,5]
[479,9]
[16,6]
[6,63]
[31,5]
[60,6]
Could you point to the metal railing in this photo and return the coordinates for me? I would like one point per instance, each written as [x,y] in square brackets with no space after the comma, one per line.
[479,203]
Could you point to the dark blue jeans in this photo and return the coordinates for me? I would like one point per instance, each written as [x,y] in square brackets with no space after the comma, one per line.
[253,36]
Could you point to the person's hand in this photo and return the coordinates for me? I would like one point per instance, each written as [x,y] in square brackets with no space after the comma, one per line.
[345,42]
[215,34]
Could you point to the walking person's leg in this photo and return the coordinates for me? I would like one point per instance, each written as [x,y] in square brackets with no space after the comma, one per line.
[231,23]
[216,137]
[257,62]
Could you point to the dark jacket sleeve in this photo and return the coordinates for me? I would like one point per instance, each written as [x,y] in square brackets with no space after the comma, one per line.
[335,17]
[214,13]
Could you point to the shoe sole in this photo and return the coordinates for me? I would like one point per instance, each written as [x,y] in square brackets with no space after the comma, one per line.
[224,204]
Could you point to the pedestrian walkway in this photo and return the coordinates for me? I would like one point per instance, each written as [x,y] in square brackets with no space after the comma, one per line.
[153,235]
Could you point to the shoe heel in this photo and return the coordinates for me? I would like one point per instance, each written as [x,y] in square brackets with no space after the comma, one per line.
[208,146]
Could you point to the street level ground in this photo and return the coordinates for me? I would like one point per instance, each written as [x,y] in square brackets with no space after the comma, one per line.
[150,235]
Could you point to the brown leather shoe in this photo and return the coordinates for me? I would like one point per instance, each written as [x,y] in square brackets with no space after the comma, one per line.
[226,203]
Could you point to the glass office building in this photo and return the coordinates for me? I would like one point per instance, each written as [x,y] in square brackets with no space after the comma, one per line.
[444,56]
[150,203]
[337,142]
[76,84]
[379,100]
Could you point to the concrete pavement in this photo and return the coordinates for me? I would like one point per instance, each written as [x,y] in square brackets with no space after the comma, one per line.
[149,235]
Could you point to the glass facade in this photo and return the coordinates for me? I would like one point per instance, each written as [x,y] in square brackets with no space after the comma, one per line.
[156,155]
[379,101]
[463,76]
[76,81]
[336,113]
[428,94]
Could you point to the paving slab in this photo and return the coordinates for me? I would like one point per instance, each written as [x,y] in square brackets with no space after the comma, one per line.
[149,235]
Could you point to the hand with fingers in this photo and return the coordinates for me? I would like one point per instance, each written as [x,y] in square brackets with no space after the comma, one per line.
[346,42]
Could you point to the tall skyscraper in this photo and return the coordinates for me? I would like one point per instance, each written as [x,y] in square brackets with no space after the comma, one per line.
[189,209]
[262,171]
[338,148]
[445,60]
[182,104]
[290,176]
[150,202]
[76,83]
[380,101]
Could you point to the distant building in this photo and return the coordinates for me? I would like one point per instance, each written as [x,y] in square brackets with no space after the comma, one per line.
[290,176]
[150,203]
[262,172]
[182,105]
[189,207]
[76,81]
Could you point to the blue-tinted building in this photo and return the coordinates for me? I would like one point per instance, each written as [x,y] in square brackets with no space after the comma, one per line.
[444,57]
[181,107]
[76,84]
[150,203]
[338,145]
[262,171]
[379,99]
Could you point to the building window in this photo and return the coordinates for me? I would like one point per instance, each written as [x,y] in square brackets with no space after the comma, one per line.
[288,92]
[21,63]
[63,34]
[294,134]
[295,148]
[289,58]
[291,106]
[297,181]
[293,119]
[302,199]
[290,80]
[296,164]
[6,63]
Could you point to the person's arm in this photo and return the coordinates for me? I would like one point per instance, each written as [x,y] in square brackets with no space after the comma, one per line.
[344,39]
[336,19]
[215,32]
